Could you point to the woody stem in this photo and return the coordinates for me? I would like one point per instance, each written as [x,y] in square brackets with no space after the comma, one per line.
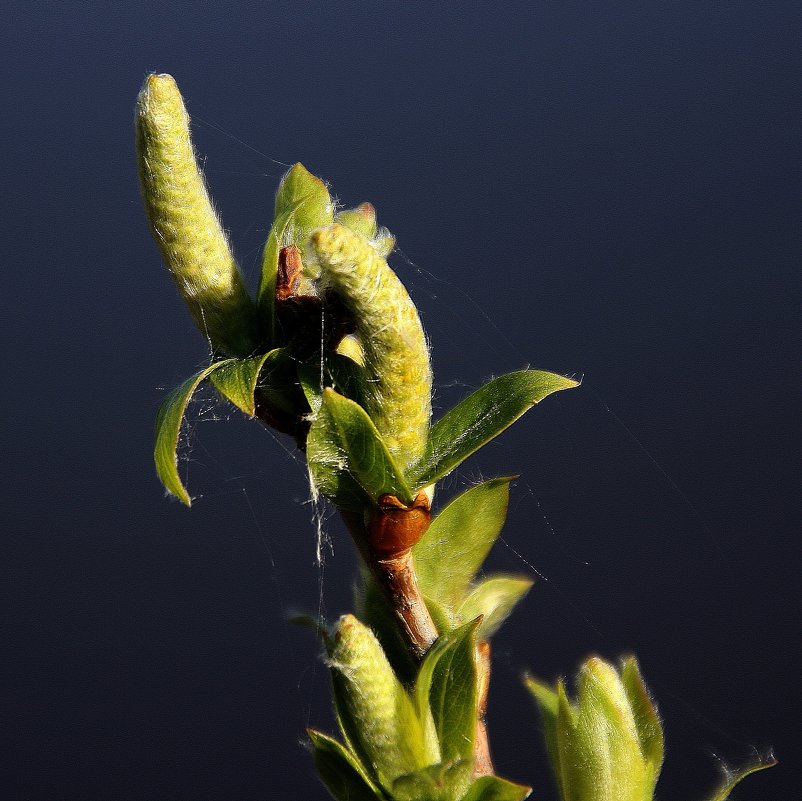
[397,578]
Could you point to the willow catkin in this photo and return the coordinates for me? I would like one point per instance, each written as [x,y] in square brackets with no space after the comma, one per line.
[386,731]
[183,221]
[399,385]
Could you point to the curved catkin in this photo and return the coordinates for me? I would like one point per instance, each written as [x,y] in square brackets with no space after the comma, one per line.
[184,223]
[399,391]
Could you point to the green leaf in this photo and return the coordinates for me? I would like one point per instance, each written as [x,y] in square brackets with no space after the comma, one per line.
[344,449]
[361,220]
[448,682]
[306,197]
[341,771]
[237,380]
[445,620]
[492,788]
[348,377]
[481,417]
[458,540]
[548,703]
[340,372]
[279,389]
[647,721]
[732,778]
[168,426]
[302,204]
[494,598]
[309,378]
[444,782]
[267,286]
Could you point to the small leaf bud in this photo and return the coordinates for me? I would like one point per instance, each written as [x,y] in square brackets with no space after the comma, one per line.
[608,745]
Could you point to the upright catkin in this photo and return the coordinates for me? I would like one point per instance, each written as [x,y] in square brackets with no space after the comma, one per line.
[399,387]
[184,224]
[386,730]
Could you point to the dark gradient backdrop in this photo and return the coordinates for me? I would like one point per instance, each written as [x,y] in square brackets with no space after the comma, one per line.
[615,185]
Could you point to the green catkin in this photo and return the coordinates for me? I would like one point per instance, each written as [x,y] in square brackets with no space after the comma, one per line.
[386,730]
[183,222]
[399,386]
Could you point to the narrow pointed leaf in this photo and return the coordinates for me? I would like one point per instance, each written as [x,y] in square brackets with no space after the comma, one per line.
[458,540]
[494,598]
[340,372]
[310,380]
[445,619]
[453,694]
[481,417]
[492,788]
[267,285]
[341,771]
[735,777]
[237,381]
[443,782]
[344,444]
[647,721]
[168,426]
[548,704]
[425,677]
[302,204]
[278,387]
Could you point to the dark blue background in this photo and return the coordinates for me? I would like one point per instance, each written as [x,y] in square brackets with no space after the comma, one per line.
[617,188]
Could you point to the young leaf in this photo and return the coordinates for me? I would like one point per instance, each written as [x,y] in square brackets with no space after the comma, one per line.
[302,204]
[361,220]
[494,598]
[278,386]
[343,373]
[310,381]
[647,721]
[343,440]
[445,620]
[328,463]
[491,788]
[449,677]
[237,380]
[479,418]
[267,285]
[548,704]
[168,426]
[458,540]
[732,778]
[444,782]
[341,771]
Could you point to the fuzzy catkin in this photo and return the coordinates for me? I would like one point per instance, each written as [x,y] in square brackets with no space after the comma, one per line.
[399,386]
[386,728]
[183,221]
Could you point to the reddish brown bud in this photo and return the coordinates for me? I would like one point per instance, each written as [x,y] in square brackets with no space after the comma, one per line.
[394,527]
[289,272]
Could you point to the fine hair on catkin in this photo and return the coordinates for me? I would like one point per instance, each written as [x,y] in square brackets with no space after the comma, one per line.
[396,354]
[183,221]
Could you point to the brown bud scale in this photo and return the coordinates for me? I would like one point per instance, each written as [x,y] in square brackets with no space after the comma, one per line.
[394,527]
